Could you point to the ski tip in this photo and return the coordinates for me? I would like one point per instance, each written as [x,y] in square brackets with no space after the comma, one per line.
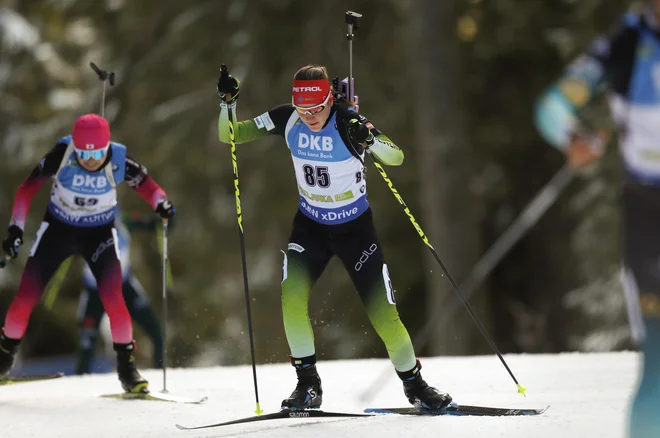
[178,426]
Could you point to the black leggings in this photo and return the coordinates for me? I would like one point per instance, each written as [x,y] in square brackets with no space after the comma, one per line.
[55,242]
[311,246]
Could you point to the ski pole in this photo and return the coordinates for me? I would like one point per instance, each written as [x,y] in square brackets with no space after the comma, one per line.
[351,19]
[518,228]
[164,324]
[239,218]
[103,76]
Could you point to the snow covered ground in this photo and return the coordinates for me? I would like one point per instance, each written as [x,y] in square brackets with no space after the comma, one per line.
[588,394]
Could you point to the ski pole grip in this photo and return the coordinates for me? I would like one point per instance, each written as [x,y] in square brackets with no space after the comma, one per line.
[102,74]
[352,18]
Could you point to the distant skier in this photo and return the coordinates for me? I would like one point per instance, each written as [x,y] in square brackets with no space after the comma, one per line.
[626,66]
[86,167]
[327,140]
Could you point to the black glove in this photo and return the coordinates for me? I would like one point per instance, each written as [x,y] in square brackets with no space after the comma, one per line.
[13,241]
[228,84]
[360,133]
[165,209]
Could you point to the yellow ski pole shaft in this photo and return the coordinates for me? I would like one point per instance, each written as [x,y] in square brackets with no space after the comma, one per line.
[239,218]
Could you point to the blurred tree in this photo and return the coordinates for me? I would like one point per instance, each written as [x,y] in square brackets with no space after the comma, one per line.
[444,165]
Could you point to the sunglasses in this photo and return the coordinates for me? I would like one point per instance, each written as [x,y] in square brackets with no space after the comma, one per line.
[311,110]
[96,154]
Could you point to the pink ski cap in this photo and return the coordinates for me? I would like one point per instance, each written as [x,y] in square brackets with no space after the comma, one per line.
[91,132]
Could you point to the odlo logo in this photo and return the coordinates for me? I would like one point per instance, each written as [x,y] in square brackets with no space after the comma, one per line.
[95,182]
[102,247]
[315,142]
[365,256]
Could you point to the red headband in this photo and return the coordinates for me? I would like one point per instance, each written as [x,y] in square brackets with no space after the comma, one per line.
[310,92]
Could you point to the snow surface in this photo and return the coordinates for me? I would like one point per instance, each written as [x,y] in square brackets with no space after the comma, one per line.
[588,394]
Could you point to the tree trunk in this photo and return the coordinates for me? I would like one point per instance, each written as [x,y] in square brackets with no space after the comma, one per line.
[447,206]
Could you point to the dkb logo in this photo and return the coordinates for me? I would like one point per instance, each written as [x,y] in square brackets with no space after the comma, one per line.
[315,142]
[95,182]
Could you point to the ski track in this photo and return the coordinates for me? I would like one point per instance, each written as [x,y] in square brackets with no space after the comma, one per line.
[588,393]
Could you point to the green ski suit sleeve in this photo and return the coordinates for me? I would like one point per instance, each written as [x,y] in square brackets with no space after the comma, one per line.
[245,131]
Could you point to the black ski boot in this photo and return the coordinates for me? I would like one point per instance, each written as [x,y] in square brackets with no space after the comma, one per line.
[419,392]
[8,349]
[308,393]
[129,377]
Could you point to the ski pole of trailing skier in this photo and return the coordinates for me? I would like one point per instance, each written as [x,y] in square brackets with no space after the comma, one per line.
[351,20]
[164,324]
[103,77]
[239,218]
[518,228]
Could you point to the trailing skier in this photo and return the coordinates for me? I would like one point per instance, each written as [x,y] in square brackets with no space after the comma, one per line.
[86,168]
[625,68]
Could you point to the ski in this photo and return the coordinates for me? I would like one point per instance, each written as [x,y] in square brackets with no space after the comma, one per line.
[453,409]
[155,396]
[460,410]
[25,378]
[283,414]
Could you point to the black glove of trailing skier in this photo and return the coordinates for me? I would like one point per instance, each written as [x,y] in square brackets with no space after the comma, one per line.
[13,241]
[360,133]
[165,209]
[228,84]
